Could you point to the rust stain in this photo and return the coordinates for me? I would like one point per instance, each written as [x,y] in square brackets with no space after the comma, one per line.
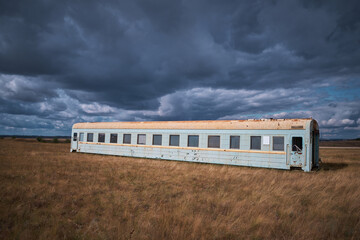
[187,148]
[212,124]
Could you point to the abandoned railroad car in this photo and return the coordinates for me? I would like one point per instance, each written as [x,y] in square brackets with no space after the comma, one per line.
[268,143]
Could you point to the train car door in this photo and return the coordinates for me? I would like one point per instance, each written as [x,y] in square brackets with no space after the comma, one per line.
[81,139]
[297,151]
[75,141]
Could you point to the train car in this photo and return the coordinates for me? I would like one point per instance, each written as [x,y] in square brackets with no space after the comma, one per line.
[267,143]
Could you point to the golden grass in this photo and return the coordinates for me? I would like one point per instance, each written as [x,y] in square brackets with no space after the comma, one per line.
[46,192]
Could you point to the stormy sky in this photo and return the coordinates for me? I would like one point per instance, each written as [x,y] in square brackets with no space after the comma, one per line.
[63,62]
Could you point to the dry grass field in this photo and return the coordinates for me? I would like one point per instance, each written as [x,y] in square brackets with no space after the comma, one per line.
[46,192]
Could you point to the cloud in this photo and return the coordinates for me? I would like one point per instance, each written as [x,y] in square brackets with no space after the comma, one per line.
[96,108]
[25,89]
[209,103]
[74,61]
[337,122]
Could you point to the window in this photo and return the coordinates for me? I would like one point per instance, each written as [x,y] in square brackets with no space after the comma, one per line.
[113,138]
[75,137]
[278,143]
[90,137]
[141,139]
[127,139]
[157,139]
[235,142]
[214,141]
[101,137]
[255,142]
[193,140]
[297,144]
[174,140]
[81,137]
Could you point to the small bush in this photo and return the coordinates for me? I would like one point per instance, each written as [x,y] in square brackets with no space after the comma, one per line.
[39,139]
[13,137]
[55,140]
[67,140]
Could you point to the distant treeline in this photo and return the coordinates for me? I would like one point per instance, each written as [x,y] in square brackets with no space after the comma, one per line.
[327,140]
[33,136]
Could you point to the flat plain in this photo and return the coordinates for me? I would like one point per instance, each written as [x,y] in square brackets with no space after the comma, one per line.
[46,192]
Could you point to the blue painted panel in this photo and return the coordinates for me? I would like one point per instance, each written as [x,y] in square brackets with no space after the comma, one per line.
[204,156]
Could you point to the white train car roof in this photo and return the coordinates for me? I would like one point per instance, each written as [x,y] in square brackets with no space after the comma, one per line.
[281,124]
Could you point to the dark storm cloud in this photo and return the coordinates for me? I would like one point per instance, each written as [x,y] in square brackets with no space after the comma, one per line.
[146,60]
[222,102]
[26,90]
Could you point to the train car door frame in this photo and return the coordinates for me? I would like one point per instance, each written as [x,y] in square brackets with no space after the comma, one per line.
[80,139]
[75,139]
[297,151]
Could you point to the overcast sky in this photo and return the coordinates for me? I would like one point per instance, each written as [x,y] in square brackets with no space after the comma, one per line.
[63,62]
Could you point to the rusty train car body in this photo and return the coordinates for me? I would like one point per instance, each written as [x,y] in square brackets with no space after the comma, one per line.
[267,143]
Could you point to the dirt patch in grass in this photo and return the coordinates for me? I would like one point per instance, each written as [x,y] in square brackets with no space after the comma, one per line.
[49,193]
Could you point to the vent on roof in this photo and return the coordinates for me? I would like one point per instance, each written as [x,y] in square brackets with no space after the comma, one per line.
[296,127]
